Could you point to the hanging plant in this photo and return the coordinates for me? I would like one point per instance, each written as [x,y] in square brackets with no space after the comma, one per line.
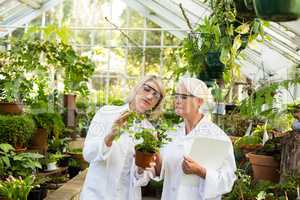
[212,47]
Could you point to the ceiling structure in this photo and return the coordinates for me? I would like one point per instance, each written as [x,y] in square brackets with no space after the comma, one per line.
[14,13]
[268,60]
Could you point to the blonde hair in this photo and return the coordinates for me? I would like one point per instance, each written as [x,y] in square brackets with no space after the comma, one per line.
[157,109]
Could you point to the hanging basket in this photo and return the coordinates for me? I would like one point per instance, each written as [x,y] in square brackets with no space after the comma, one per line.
[277,10]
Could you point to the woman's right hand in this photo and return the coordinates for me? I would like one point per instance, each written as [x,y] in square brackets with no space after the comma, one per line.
[119,123]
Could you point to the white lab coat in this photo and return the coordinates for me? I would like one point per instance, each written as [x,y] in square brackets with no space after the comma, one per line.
[216,183]
[112,174]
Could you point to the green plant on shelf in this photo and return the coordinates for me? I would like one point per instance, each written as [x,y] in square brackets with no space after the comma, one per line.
[51,121]
[21,164]
[74,163]
[16,130]
[54,157]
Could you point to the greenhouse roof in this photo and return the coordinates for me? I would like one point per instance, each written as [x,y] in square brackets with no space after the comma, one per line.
[15,13]
[262,60]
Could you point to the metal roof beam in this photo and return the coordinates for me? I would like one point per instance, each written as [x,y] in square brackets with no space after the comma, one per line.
[35,4]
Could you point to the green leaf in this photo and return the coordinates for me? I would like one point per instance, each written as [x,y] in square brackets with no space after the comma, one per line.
[243,29]
[237,43]
[225,55]
[6,147]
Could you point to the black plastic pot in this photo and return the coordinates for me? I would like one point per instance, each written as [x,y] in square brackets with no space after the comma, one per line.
[277,10]
[38,193]
[73,171]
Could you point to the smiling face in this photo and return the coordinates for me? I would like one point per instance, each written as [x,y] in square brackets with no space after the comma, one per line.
[147,97]
[185,103]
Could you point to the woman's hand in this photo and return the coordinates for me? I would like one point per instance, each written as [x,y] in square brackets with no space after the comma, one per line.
[189,166]
[119,123]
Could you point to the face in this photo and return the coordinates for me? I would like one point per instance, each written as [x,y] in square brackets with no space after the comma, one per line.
[147,97]
[185,103]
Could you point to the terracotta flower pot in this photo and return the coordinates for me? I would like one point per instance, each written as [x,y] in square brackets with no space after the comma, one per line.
[40,140]
[70,101]
[11,108]
[264,167]
[143,159]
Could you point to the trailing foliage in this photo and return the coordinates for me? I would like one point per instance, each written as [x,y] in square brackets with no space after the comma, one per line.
[213,46]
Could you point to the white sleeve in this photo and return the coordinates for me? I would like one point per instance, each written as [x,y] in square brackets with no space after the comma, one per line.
[218,182]
[95,148]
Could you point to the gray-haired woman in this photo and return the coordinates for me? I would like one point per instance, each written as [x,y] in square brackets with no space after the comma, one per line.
[208,183]
[112,174]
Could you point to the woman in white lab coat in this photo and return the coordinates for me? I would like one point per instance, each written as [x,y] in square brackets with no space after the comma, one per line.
[190,97]
[112,174]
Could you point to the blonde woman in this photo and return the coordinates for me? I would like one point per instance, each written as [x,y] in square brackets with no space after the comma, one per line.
[190,97]
[112,174]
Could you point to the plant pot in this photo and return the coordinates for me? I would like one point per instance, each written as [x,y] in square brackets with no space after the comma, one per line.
[215,67]
[73,171]
[245,9]
[20,149]
[70,118]
[219,109]
[230,107]
[277,10]
[38,193]
[51,166]
[11,108]
[40,140]
[70,101]
[264,167]
[3,198]
[143,159]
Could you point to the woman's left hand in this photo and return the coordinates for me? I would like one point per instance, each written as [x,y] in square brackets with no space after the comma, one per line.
[189,166]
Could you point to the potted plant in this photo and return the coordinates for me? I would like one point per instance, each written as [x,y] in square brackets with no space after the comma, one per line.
[16,130]
[221,35]
[48,125]
[40,190]
[17,164]
[277,10]
[147,141]
[58,145]
[265,161]
[77,155]
[16,188]
[52,161]
[16,82]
